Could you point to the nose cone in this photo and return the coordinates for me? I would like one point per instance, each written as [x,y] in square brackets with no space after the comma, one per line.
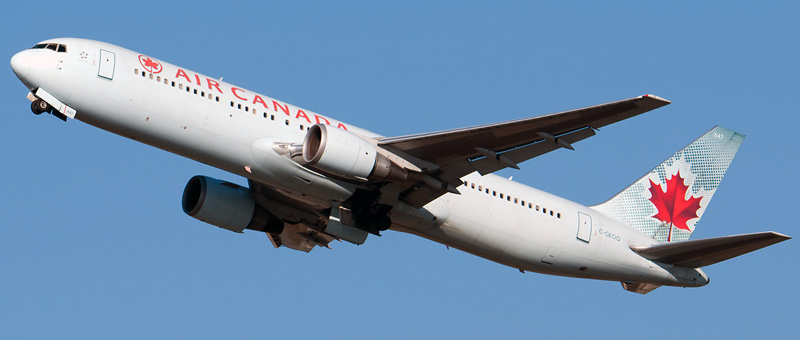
[21,65]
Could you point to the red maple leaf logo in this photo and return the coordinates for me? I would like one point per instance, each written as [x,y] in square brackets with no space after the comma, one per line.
[672,205]
[150,64]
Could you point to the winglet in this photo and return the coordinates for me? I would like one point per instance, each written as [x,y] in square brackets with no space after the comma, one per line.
[656,98]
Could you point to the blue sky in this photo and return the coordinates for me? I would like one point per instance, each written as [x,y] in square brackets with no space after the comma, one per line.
[94,245]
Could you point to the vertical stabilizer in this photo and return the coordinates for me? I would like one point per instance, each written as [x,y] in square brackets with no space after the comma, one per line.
[667,203]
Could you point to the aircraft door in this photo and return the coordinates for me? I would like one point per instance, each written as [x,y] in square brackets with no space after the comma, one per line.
[584,227]
[107,61]
[551,256]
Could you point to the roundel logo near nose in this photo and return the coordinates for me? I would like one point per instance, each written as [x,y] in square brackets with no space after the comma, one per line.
[150,65]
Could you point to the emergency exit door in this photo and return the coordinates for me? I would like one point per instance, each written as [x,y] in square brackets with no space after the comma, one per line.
[106,68]
[584,227]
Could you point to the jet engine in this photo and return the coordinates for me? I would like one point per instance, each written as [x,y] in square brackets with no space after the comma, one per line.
[226,205]
[345,154]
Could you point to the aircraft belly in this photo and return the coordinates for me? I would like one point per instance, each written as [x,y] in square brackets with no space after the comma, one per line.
[519,239]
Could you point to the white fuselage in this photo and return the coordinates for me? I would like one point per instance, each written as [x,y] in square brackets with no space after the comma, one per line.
[235,129]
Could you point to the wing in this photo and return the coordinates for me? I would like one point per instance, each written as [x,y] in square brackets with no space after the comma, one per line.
[446,156]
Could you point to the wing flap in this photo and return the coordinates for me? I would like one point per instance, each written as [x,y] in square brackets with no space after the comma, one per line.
[487,165]
[701,253]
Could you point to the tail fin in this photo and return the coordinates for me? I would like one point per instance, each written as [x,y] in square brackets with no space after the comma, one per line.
[667,203]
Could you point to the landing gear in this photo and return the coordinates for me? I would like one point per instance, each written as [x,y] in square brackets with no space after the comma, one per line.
[369,215]
[40,106]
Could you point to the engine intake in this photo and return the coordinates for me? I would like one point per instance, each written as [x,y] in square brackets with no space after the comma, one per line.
[226,205]
[345,154]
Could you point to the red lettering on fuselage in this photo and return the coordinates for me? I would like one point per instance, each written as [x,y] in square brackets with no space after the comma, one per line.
[318,118]
[285,108]
[300,113]
[257,99]
[182,74]
[234,89]
[213,84]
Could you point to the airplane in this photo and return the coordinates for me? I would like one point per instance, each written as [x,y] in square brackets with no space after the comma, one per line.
[313,179]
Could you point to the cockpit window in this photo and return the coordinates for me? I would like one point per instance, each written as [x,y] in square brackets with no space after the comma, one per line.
[51,46]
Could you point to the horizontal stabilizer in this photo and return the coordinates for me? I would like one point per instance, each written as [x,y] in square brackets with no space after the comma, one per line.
[701,253]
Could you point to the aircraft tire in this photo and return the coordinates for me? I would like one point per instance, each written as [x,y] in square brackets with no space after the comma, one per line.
[39,106]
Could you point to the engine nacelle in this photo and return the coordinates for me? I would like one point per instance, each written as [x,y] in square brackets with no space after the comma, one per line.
[345,154]
[226,205]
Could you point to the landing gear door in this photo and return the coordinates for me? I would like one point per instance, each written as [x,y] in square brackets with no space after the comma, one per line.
[584,227]
[107,61]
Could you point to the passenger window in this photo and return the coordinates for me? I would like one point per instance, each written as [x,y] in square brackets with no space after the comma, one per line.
[287,122]
[558,215]
[173,84]
[180,86]
[136,71]
[501,195]
[151,76]
[158,79]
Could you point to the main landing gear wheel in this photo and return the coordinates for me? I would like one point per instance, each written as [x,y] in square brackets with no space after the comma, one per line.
[40,106]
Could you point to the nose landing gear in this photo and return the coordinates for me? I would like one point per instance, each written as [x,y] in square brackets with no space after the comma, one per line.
[40,106]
